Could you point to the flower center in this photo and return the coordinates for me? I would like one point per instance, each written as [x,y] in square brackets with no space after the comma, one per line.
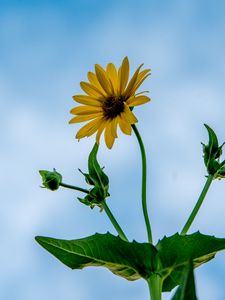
[113,106]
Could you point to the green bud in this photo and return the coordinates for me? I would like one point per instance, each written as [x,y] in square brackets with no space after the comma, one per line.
[96,178]
[51,180]
[212,152]
[94,197]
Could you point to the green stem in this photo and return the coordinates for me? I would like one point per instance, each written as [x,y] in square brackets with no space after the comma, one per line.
[155,287]
[114,222]
[144,183]
[74,187]
[106,209]
[197,205]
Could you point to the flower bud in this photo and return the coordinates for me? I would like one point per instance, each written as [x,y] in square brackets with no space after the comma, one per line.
[212,153]
[51,180]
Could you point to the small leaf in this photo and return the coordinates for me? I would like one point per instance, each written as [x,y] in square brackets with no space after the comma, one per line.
[98,179]
[177,250]
[212,152]
[95,171]
[129,260]
[220,171]
[88,178]
[213,141]
[222,163]
[186,291]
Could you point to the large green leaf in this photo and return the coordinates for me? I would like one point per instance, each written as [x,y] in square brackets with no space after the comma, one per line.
[129,260]
[176,251]
[186,291]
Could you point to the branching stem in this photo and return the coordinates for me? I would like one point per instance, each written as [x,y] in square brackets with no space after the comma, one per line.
[105,208]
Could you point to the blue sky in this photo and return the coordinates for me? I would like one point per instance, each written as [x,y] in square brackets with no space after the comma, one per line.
[47,47]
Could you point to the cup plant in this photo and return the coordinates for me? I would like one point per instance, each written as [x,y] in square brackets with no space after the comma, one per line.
[108,103]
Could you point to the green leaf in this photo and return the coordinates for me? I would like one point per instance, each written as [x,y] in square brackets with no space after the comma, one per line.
[186,291]
[213,141]
[129,260]
[88,178]
[212,152]
[177,250]
[95,171]
[221,173]
[97,178]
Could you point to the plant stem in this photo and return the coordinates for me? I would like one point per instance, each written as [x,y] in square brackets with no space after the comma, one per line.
[155,287]
[106,209]
[144,183]
[197,205]
[74,187]
[114,222]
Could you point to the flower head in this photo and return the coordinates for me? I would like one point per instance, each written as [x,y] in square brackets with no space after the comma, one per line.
[108,101]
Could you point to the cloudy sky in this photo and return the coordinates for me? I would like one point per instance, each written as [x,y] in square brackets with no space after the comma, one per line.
[47,47]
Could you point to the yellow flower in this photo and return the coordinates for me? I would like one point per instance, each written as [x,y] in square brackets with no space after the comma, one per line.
[108,101]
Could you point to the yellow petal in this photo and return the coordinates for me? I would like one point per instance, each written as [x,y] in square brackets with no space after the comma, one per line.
[139,81]
[91,89]
[134,101]
[112,75]
[143,73]
[124,74]
[118,80]
[89,128]
[114,123]
[124,126]
[94,81]
[103,80]
[128,116]
[87,100]
[132,83]
[85,110]
[84,118]
[109,138]
[95,127]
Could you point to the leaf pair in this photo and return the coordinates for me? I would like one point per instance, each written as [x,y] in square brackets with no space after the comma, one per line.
[132,260]
[97,178]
